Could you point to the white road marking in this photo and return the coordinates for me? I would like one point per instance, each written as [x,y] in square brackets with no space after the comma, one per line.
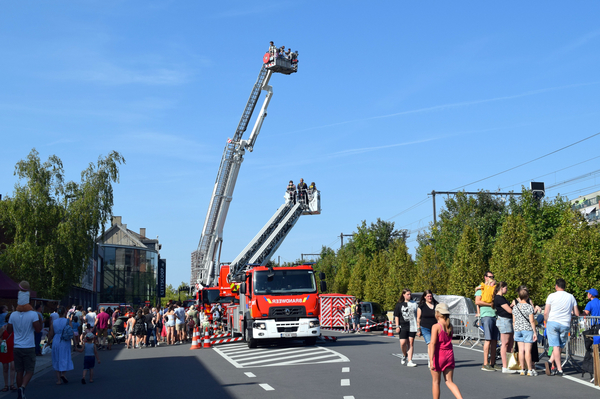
[587,384]
[240,356]
[345,369]
[345,382]
[348,397]
[266,387]
[250,375]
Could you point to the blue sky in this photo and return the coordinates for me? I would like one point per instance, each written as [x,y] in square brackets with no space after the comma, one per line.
[392,100]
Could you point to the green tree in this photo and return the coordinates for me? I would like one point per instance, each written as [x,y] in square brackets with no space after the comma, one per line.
[376,278]
[51,226]
[356,285]
[342,277]
[431,272]
[171,294]
[400,272]
[374,238]
[573,254]
[515,258]
[469,266]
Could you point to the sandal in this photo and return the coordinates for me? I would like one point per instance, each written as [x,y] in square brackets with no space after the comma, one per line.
[13,387]
[5,389]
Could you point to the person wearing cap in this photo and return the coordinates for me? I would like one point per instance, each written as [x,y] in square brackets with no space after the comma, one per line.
[89,357]
[593,306]
[560,306]
[441,352]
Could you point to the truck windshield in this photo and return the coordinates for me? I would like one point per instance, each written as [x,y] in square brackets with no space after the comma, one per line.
[285,282]
[210,296]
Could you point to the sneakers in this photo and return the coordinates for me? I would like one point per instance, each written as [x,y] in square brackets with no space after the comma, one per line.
[506,370]
[532,373]
[548,367]
[559,373]
[522,372]
[21,393]
[402,359]
[497,367]
[487,367]
[410,364]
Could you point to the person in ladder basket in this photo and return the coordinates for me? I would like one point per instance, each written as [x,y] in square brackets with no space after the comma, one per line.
[292,190]
[302,188]
[272,49]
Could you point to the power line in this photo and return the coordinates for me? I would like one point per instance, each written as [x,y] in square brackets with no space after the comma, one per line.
[528,162]
[410,208]
[547,174]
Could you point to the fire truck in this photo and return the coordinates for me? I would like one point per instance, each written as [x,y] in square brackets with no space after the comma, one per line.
[271,302]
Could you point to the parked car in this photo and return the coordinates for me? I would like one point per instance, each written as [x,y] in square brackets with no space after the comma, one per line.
[373,312]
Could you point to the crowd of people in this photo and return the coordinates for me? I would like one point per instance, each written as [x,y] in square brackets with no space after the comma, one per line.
[302,192]
[26,334]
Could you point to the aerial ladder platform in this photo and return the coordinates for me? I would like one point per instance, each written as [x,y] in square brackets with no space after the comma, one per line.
[205,260]
[262,247]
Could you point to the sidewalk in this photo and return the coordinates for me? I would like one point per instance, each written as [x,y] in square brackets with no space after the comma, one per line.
[42,365]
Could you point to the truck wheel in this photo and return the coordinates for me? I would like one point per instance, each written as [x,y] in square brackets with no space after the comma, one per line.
[248,333]
[310,341]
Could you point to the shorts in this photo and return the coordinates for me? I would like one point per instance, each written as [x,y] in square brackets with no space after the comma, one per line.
[505,325]
[24,359]
[524,336]
[102,332]
[558,334]
[347,319]
[405,333]
[89,362]
[110,339]
[426,333]
[356,319]
[490,330]
[180,327]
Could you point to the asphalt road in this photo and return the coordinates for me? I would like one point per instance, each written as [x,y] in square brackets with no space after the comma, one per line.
[356,366]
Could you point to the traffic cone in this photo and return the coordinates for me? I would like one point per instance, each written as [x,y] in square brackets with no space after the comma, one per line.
[391,330]
[368,327]
[385,330]
[195,337]
[206,339]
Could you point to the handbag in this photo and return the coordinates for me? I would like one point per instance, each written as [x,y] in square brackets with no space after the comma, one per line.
[513,361]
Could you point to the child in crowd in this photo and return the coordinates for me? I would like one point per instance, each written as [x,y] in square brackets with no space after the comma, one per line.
[75,326]
[89,357]
[110,337]
[441,353]
[87,329]
[23,297]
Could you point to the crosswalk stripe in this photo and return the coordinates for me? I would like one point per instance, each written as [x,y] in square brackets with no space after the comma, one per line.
[242,357]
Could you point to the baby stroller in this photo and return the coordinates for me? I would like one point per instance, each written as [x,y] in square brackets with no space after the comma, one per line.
[119,333]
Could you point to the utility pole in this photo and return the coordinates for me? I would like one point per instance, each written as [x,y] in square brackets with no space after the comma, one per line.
[342,235]
[302,256]
[433,193]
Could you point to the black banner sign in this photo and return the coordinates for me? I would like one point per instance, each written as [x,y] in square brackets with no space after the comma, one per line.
[162,278]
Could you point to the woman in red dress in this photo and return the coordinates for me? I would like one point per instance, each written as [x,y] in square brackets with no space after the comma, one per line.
[7,358]
[441,353]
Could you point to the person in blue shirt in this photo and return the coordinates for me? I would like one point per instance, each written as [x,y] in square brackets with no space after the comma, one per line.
[593,306]
[3,313]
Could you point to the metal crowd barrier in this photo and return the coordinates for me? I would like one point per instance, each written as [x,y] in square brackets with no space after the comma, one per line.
[467,330]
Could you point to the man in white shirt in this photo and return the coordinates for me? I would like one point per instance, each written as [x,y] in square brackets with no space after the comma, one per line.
[90,317]
[23,325]
[560,306]
[180,322]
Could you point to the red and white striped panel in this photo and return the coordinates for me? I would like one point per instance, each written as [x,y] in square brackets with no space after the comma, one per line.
[332,310]
[223,341]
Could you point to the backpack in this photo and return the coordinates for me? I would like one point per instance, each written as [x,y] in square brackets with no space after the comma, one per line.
[67,333]
[487,293]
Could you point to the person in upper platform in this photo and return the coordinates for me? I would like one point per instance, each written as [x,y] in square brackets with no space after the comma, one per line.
[282,51]
[302,189]
[272,49]
[294,56]
[288,54]
[312,188]
[291,189]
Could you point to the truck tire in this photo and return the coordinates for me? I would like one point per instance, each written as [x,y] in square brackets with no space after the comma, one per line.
[310,341]
[247,333]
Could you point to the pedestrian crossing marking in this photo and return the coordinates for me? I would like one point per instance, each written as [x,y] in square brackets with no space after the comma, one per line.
[240,356]
[416,356]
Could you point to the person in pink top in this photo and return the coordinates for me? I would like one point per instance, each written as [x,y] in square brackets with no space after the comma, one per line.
[441,353]
[102,327]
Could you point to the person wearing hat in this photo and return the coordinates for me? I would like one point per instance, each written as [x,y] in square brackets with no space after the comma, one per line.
[593,306]
[89,357]
[441,352]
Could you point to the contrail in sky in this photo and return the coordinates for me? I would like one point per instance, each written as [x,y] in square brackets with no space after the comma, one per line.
[451,105]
